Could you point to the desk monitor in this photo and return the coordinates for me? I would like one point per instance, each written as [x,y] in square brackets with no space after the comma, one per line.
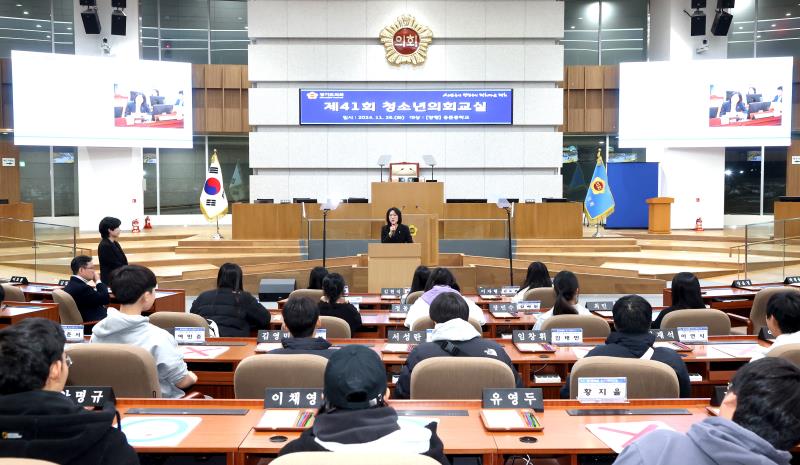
[159,109]
[753,98]
[466,201]
[265,200]
[356,200]
[554,200]
[758,106]
[713,112]
[304,200]
[156,100]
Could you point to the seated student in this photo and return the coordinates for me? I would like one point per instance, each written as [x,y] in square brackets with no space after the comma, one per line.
[91,301]
[537,276]
[783,320]
[355,418]
[421,275]
[234,310]
[333,304]
[685,294]
[441,281]
[632,339]
[38,421]
[453,336]
[757,424]
[567,291]
[300,315]
[134,289]
[316,276]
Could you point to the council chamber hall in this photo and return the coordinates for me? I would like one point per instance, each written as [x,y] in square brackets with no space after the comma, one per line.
[412,232]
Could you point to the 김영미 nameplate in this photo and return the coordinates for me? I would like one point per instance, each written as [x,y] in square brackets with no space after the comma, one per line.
[406,41]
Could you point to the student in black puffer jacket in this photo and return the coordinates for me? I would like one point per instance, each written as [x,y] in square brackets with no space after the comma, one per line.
[235,311]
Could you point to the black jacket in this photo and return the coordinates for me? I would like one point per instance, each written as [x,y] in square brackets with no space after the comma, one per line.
[305,345]
[236,313]
[372,428]
[627,345]
[657,323]
[476,347]
[47,425]
[91,301]
[111,257]
[401,235]
[347,312]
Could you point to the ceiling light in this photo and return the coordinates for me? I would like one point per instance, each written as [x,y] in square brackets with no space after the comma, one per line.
[239,18]
[19,4]
[69,28]
[25,12]
[572,27]
[741,27]
[773,25]
[788,14]
[38,25]
[580,17]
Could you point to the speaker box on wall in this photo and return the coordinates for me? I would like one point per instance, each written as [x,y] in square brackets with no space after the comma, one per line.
[118,23]
[721,24]
[698,25]
[91,22]
[725,4]
[698,4]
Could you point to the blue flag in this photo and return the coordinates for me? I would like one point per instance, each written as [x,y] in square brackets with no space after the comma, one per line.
[599,202]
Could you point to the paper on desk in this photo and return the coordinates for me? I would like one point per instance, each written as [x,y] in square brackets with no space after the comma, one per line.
[618,436]
[503,419]
[739,350]
[279,418]
[530,347]
[268,346]
[158,431]
[398,316]
[581,352]
[504,315]
[394,347]
[202,352]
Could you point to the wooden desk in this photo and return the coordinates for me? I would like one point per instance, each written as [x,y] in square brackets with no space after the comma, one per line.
[167,300]
[785,211]
[14,312]
[556,220]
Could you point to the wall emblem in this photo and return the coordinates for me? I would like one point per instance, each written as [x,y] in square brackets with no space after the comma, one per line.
[406,41]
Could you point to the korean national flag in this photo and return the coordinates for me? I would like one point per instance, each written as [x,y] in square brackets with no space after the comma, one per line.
[599,202]
[213,202]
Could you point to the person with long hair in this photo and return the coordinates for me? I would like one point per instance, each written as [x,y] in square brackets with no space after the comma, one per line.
[109,252]
[418,281]
[439,282]
[234,310]
[394,231]
[685,294]
[333,303]
[565,286]
[537,276]
[316,276]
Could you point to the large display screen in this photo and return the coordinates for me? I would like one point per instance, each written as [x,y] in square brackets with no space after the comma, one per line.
[706,103]
[100,101]
[406,106]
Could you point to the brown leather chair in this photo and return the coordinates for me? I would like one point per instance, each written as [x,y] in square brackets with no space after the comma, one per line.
[353,458]
[717,321]
[425,323]
[546,295]
[458,377]
[68,311]
[258,372]
[412,297]
[337,327]
[593,326]
[790,352]
[313,294]
[647,379]
[758,312]
[169,320]
[13,293]
[130,370]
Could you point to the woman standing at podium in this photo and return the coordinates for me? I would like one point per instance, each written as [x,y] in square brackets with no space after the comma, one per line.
[394,231]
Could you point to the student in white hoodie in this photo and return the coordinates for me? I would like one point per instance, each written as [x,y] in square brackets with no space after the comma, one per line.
[567,292]
[783,320]
[134,289]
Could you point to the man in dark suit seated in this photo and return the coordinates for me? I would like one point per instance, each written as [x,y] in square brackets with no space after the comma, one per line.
[91,301]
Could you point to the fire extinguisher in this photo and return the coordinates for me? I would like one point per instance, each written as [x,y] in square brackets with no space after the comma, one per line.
[135,226]
[147,224]
[698,224]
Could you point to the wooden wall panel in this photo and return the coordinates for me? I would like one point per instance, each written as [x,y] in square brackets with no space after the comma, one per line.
[213,76]
[610,110]
[575,77]
[793,171]
[576,110]
[593,77]
[231,76]
[231,110]
[594,111]
[245,112]
[198,76]
[199,109]
[214,99]
[9,175]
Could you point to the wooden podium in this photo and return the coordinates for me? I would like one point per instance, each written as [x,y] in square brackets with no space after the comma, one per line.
[659,215]
[391,265]
[409,197]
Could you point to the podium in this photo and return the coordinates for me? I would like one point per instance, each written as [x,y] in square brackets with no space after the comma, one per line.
[659,215]
[391,265]
[409,197]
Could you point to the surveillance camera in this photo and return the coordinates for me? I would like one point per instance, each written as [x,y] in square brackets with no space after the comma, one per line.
[703,48]
[105,47]
[705,41]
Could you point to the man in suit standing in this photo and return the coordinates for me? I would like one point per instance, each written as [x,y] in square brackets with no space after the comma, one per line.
[91,301]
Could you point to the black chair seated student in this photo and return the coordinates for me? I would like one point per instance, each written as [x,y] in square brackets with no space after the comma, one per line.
[300,315]
[631,338]
[333,304]
[452,336]
[91,301]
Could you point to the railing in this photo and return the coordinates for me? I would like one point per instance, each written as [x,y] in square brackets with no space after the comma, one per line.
[370,228]
[763,243]
[38,246]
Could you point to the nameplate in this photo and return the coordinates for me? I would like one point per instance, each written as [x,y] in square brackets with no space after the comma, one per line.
[529,306]
[394,292]
[564,336]
[514,398]
[90,396]
[765,334]
[509,290]
[400,308]
[407,337]
[491,292]
[18,280]
[346,290]
[73,333]
[355,300]
[507,307]
[532,335]
[63,282]
[292,398]
[265,335]
[600,305]
[603,390]
[665,334]
[792,280]
[190,335]
[693,334]
[741,283]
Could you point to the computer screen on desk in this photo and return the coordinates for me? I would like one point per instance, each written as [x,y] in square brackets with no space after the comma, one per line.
[69,100]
